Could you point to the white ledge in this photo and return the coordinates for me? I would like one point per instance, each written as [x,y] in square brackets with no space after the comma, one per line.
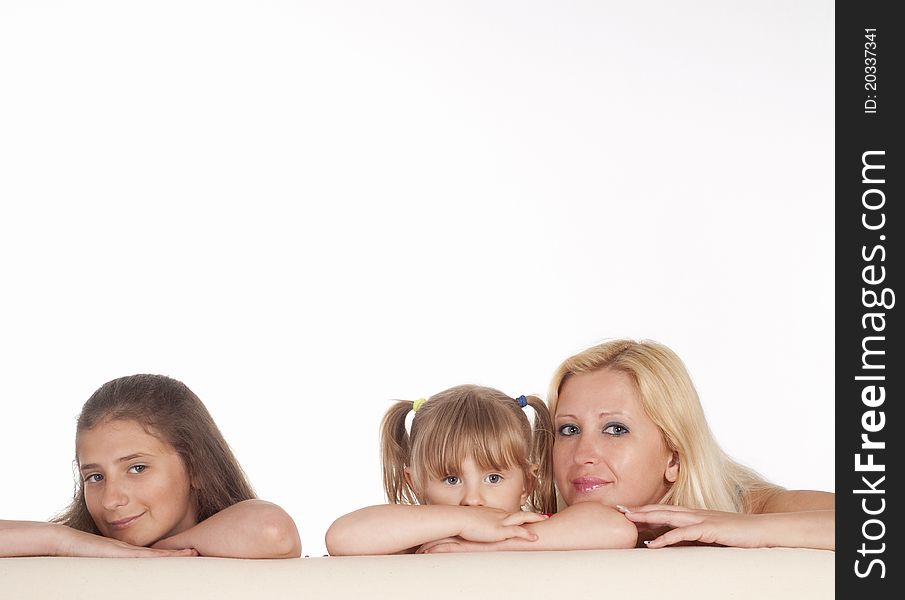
[687,572]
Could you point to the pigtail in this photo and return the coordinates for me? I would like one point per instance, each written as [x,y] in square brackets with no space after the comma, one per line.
[395,453]
[543,496]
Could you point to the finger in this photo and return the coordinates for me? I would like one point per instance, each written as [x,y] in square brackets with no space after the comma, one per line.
[163,553]
[653,507]
[174,552]
[676,536]
[425,548]
[522,517]
[664,517]
[440,548]
[522,533]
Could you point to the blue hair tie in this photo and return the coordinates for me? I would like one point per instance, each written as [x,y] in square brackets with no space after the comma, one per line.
[522,401]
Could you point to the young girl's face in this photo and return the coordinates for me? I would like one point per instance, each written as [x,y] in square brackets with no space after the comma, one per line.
[136,486]
[505,489]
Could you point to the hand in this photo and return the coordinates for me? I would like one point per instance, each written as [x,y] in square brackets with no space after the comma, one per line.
[81,543]
[485,524]
[453,544]
[701,526]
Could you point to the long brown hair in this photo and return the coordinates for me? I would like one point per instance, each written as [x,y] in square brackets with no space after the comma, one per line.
[170,411]
[468,420]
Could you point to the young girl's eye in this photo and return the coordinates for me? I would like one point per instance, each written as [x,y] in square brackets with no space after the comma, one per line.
[569,429]
[451,480]
[616,429]
[137,468]
[94,478]
[494,478]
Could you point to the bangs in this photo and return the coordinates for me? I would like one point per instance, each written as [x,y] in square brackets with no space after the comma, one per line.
[487,432]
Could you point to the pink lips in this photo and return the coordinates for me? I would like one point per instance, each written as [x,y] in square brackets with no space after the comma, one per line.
[588,484]
[123,523]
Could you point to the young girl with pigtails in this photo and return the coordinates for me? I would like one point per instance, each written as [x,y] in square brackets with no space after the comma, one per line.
[472,474]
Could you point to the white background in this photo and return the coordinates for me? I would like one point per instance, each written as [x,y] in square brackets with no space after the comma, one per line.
[305,209]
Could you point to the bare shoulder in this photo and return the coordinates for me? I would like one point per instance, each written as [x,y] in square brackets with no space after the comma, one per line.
[777,499]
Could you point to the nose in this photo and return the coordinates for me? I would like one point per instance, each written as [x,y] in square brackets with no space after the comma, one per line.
[114,495]
[472,495]
[586,451]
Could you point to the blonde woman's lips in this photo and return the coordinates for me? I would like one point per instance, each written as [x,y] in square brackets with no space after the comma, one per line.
[123,523]
[588,484]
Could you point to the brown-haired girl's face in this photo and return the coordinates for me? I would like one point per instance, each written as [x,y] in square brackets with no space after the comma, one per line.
[606,449]
[136,486]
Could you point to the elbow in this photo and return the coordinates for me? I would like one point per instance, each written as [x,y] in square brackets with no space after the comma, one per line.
[627,534]
[338,540]
[610,527]
[621,532]
[279,534]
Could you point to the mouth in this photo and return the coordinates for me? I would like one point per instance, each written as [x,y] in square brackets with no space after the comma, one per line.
[583,485]
[123,523]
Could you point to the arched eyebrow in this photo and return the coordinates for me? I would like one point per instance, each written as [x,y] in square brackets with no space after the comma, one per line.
[89,466]
[604,414]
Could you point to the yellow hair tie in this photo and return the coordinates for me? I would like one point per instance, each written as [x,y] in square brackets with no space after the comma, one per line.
[417,404]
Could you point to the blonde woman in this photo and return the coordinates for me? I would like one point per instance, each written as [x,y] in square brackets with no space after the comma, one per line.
[630,432]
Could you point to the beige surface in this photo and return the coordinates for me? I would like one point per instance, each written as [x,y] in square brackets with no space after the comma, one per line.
[668,573]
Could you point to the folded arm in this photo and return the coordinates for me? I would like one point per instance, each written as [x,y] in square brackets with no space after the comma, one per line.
[784,518]
[35,538]
[248,529]
[582,526]
[401,528]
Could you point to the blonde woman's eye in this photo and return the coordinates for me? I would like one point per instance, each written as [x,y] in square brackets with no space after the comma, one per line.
[451,480]
[137,468]
[94,478]
[616,429]
[569,429]
[494,478]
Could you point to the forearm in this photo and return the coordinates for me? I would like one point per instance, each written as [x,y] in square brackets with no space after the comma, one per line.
[803,529]
[583,526]
[32,538]
[391,528]
[801,519]
[249,529]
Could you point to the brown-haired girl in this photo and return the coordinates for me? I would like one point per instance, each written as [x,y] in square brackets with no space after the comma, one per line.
[472,469]
[156,478]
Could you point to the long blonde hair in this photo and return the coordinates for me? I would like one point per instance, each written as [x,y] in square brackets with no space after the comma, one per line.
[467,420]
[708,478]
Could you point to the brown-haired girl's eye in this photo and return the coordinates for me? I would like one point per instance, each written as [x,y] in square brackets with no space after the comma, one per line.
[451,480]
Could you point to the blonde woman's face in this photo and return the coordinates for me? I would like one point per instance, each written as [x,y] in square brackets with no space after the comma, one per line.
[136,485]
[606,449]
